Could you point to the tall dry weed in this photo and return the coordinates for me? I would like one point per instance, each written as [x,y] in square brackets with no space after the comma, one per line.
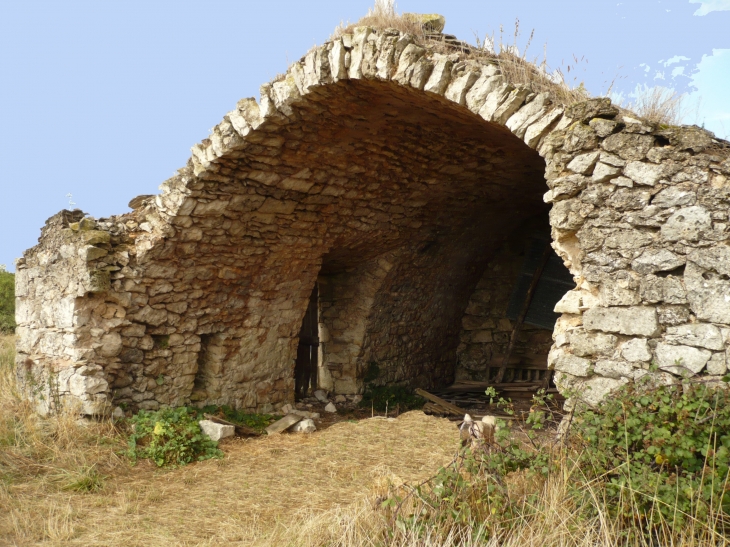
[657,104]
[40,456]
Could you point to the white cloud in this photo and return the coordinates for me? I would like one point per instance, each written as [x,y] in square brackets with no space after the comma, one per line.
[676,59]
[710,6]
[707,105]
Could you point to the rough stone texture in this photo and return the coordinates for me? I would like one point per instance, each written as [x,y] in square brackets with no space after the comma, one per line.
[394,199]
[216,431]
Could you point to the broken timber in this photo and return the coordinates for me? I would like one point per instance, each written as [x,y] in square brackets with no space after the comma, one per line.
[438,402]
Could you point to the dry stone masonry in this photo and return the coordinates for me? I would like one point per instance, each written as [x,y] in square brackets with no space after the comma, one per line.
[390,174]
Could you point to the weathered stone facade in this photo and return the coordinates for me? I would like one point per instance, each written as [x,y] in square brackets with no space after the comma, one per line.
[390,175]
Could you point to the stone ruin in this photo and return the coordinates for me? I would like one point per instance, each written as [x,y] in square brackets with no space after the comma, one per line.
[382,193]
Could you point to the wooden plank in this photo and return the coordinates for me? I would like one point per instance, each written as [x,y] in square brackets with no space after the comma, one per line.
[452,409]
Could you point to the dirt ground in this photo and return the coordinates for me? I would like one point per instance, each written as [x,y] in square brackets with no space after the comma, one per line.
[238,500]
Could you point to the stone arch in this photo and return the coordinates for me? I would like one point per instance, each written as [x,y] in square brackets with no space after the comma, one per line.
[391,169]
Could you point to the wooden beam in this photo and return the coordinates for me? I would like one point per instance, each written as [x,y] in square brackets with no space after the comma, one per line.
[523,313]
[451,409]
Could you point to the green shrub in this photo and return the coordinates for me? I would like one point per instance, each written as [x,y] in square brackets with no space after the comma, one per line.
[647,463]
[7,301]
[170,437]
[662,453]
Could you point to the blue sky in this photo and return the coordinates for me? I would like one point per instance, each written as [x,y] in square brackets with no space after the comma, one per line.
[103,99]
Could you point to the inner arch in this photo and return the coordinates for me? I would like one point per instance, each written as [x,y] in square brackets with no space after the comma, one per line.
[393,198]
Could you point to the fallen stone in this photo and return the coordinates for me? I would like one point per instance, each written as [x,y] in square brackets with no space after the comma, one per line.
[321,396]
[634,320]
[283,424]
[340,399]
[356,399]
[330,408]
[216,431]
[681,360]
[305,426]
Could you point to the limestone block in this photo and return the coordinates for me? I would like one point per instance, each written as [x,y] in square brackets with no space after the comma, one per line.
[628,146]
[359,41]
[604,172]
[216,431]
[111,344]
[331,408]
[585,344]
[487,82]
[337,61]
[636,350]
[565,187]
[80,384]
[603,127]
[565,215]
[575,302]
[681,360]
[440,76]
[386,59]
[510,105]
[647,174]
[304,426]
[700,335]
[583,164]
[672,315]
[612,294]
[717,365]
[708,293]
[89,253]
[494,100]
[688,223]
[635,320]
[421,73]
[459,87]
[535,132]
[407,62]
[150,316]
[573,365]
[657,260]
[521,120]
[594,390]
[674,196]
[611,368]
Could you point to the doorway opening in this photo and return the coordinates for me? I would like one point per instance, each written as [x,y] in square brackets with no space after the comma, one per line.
[305,367]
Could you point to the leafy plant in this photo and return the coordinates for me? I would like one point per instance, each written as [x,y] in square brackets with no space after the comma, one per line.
[7,301]
[170,437]
[259,422]
[662,453]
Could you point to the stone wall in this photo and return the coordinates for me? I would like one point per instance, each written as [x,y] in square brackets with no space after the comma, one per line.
[376,148]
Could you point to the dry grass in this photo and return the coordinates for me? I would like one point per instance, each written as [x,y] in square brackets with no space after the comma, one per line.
[658,105]
[549,519]
[63,483]
[517,69]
